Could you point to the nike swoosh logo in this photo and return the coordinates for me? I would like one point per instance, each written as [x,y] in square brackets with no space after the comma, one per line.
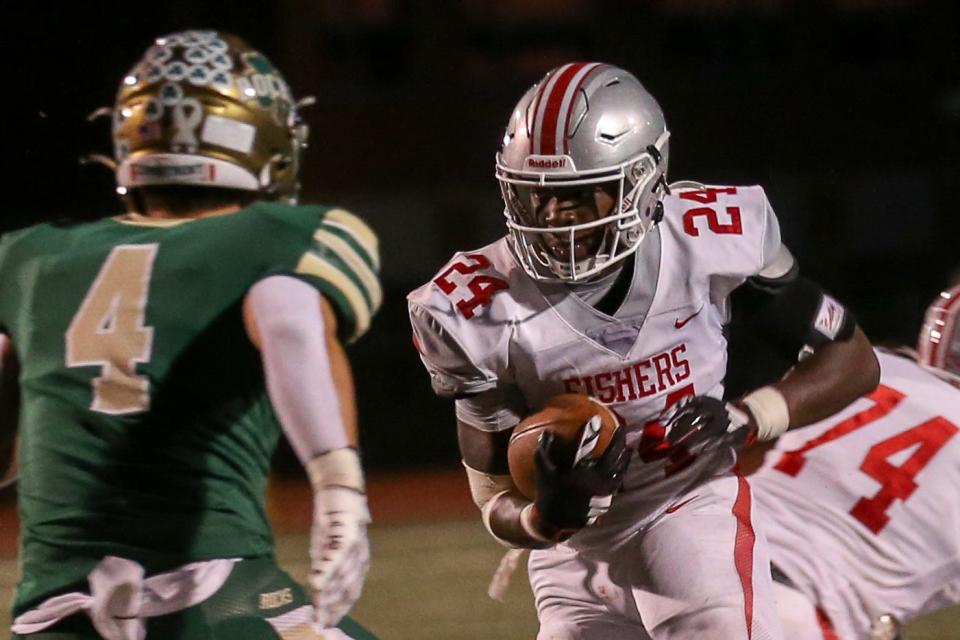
[673,508]
[679,324]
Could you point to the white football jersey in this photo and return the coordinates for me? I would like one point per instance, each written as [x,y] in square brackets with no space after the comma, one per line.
[862,510]
[483,326]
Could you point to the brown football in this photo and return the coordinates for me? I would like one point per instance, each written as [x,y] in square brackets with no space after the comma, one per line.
[565,415]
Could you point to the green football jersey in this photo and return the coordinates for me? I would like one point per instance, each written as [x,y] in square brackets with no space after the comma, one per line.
[145,429]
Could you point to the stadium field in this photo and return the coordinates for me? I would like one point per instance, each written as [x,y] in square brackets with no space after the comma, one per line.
[432,561]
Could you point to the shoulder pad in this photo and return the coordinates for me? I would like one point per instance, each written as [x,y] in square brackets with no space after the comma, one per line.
[462,320]
[727,232]
[344,253]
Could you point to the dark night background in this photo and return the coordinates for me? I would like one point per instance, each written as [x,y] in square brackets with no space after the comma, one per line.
[847,111]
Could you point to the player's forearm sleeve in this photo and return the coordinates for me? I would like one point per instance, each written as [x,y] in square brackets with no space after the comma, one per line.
[296,364]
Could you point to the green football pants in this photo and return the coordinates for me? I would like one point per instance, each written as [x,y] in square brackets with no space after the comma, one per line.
[259,601]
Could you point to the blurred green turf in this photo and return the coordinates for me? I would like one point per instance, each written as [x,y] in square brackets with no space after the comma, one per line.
[429,581]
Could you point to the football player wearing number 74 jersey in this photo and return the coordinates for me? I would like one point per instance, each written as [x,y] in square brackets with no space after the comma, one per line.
[613,284]
[861,509]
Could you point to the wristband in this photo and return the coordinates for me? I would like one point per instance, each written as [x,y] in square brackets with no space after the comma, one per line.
[486,512]
[526,522]
[340,468]
[769,409]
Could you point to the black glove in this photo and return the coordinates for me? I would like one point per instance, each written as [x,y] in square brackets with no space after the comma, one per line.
[570,499]
[702,422]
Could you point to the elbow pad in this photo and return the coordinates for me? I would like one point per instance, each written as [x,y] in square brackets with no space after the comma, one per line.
[794,315]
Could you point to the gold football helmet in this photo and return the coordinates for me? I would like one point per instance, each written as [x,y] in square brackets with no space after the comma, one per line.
[204,108]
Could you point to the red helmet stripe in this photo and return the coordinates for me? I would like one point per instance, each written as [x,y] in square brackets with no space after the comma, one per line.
[571,96]
[539,112]
[548,111]
[551,115]
[532,115]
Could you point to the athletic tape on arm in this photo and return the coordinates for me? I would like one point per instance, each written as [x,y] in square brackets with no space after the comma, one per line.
[484,486]
[770,411]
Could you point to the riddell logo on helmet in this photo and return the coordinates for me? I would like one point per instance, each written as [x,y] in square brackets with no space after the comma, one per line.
[546,163]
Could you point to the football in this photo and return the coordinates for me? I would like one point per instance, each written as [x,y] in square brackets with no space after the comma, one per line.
[582,428]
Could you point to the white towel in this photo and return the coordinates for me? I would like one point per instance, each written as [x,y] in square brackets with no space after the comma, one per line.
[120,598]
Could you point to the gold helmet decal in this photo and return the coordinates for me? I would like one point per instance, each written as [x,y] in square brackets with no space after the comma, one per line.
[204,108]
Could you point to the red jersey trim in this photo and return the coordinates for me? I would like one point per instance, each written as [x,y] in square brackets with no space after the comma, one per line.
[743,548]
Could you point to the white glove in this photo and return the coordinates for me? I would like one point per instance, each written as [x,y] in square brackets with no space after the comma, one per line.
[339,548]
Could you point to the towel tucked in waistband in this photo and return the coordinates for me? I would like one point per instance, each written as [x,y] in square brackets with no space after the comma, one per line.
[121,598]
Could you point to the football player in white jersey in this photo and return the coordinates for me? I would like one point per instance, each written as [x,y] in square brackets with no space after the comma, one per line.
[612,284]
[861,510]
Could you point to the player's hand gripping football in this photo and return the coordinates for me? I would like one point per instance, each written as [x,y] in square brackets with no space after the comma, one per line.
[702,422]
[339,548]
[569,499]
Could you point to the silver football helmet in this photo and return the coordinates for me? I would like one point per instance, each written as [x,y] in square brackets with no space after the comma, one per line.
[585,125]
[938,345]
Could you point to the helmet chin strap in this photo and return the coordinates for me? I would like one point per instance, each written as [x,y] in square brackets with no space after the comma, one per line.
[94,157]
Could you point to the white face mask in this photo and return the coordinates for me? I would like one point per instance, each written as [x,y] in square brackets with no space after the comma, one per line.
[560,252]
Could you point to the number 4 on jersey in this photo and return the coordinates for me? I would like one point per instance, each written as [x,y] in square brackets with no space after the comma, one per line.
[108,330]
[899,481]
[896,482]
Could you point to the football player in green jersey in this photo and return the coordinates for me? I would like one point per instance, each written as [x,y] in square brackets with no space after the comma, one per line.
[156,358]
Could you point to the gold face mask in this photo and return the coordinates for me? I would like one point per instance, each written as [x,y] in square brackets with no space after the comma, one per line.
[204,108]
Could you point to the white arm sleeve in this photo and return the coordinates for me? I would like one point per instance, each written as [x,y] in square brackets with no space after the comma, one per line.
[296,364]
